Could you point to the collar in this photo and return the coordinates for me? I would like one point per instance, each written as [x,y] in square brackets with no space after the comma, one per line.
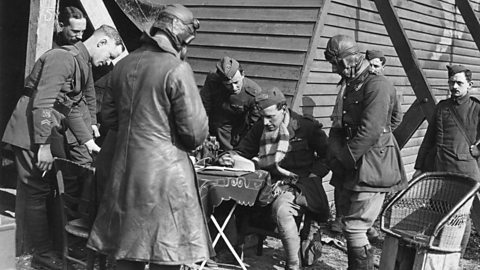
[293,124]
[461,100]
[82,51]
[361,74]
[160,41]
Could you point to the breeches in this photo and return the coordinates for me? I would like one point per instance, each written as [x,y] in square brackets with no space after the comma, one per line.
[284,211]
[363,210]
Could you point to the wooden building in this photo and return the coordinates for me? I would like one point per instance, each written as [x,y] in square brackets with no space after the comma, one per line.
[281,43]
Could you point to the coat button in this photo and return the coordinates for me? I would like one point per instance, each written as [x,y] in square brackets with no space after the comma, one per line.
[348,138]
[344,112]
[344,97]
[356,102]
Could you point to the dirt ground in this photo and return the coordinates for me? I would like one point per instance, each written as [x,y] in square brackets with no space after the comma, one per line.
[332,258]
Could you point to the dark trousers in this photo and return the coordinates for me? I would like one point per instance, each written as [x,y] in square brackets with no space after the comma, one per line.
[36,214]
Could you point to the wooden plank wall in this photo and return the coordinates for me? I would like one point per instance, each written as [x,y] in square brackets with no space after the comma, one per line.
[437,33]
[269,38]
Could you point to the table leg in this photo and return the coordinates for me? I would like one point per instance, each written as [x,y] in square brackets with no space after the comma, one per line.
[221,234]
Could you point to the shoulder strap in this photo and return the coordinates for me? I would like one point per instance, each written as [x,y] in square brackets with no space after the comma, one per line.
[460,124]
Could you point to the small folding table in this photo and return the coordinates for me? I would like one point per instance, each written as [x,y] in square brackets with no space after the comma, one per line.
[218,186]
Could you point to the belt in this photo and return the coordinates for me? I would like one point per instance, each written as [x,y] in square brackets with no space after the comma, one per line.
[351,131]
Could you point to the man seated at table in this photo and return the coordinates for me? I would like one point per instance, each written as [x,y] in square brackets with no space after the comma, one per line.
[292,148]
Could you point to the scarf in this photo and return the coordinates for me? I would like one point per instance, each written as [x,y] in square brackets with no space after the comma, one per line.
[356,83]
[273,148]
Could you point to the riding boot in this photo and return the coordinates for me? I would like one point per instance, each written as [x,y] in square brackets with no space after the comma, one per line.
[360,258]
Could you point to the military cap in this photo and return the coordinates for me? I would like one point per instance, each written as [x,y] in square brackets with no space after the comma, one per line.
[454,69]
[270,96]
[227,67]
[372,54]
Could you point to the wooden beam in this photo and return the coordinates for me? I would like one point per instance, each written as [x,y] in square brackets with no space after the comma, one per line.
[411,65]
[470,19]
[40,31]
[414,118]
[98,15]
[310,57]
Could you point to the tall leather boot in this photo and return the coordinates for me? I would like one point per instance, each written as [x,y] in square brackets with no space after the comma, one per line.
[360,258]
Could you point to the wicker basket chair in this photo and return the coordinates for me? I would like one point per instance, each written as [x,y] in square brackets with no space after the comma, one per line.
[432,212]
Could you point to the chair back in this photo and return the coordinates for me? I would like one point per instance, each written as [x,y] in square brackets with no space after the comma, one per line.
[432,211]
[82,203]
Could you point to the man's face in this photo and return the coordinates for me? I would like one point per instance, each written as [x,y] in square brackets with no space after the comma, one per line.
[105,51]
[74,31]
[272,117]
[235,84]
[377,65]
[458,85]
[345,67]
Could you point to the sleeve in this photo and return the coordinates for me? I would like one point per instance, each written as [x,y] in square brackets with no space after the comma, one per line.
[423,161]
[373,120]
[318,142]
[397,114]
[206,93]
[250,144]
[77,124]
[189,115]
[90,97]
[58,67]
[109,113]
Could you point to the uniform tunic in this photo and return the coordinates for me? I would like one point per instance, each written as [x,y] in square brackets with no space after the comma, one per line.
[449,145]
[230,115]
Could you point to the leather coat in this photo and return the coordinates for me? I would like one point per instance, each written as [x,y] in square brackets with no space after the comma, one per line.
[151,210]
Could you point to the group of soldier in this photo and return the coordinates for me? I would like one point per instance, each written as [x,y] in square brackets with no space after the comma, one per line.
[150,211]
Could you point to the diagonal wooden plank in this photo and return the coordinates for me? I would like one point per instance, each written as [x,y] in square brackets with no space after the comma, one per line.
[412,120]
[411,65]
[309,59]
[470,19]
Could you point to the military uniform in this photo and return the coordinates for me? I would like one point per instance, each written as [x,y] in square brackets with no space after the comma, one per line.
[444,147]
[305,156]
[365,157]
[230,115]
[56,93]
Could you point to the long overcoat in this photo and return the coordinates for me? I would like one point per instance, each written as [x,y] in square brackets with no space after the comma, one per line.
[150,210]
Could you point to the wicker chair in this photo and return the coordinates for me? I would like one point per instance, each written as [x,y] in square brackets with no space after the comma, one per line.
[432,212]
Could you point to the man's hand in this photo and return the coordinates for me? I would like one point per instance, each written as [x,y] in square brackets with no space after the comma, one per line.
[417,173]
[226,160]
[96,133]
[92,146]
[44,158]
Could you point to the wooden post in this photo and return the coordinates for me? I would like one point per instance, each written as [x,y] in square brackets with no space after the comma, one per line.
[410,64]
[412,120]
[309,58]
[98,15]
[40,31]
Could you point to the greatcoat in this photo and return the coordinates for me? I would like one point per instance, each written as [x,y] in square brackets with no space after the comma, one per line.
[150,210]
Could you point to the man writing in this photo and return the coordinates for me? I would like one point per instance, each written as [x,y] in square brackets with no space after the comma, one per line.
[364,156]
[445,147]
[292,148]
[229,99]
[41,125]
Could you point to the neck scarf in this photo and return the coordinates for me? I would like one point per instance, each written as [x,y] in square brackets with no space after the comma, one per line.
[273,148]
[356,82]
